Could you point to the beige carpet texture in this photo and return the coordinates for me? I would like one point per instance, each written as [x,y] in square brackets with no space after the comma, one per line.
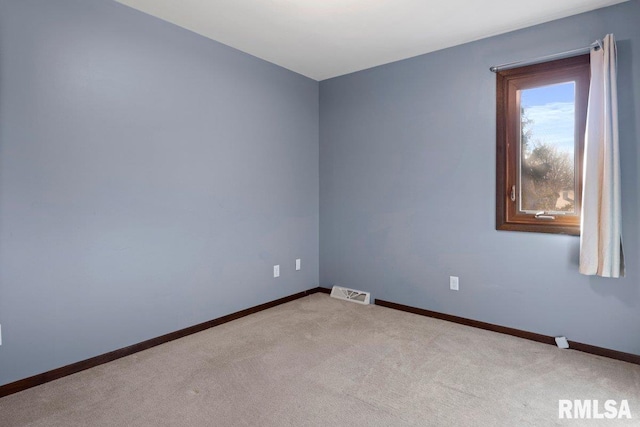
[318,361]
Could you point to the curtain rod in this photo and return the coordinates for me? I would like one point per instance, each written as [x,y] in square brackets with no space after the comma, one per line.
[596,44]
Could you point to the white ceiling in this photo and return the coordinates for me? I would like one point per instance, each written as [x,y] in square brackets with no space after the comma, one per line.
[327,38]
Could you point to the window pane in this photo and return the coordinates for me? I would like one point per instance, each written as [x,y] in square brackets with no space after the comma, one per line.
[547,149]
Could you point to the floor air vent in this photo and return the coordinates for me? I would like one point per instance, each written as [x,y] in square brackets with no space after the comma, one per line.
[352,295]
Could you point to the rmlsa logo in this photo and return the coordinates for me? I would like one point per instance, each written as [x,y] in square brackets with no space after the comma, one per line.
[590,409]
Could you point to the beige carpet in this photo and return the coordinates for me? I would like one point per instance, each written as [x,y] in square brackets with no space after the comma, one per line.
[319,361]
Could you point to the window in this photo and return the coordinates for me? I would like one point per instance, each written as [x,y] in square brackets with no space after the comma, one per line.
[541,115]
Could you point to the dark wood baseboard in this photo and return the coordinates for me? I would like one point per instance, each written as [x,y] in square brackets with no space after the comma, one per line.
[73,368]
[599,351]
[605,352]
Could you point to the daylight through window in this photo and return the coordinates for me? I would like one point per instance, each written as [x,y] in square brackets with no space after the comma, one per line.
[540,122]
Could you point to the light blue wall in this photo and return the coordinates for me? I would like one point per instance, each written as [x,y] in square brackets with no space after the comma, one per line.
[149,180]
[407,190]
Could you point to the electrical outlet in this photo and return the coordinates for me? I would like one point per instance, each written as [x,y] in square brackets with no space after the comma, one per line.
[454,283]
[298,264]
[0,334]
[276,271]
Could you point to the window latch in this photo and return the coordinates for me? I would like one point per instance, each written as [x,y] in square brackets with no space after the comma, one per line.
[513,193]
[541,215]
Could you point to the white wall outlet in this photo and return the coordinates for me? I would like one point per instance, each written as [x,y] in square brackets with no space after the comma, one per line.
[454,283]
[276,271]
[0,334]
[298,264]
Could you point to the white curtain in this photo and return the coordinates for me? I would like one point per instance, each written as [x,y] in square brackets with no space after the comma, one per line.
[600,239]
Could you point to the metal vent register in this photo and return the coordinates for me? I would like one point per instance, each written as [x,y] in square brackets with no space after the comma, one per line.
[352,295]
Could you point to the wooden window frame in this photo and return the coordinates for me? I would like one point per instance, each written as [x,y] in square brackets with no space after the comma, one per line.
[508,140]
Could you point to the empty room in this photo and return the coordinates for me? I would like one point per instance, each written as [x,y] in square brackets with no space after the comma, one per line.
[319,213]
